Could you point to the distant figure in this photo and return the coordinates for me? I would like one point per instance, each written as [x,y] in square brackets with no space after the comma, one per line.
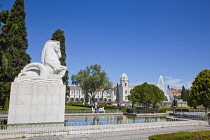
[174,105]
[96,107]
[119,106]
[4,122]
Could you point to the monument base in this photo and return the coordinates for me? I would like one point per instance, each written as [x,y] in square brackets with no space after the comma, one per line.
[32,103]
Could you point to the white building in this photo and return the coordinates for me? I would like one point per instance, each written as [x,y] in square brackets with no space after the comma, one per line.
[76,93]
[124,89]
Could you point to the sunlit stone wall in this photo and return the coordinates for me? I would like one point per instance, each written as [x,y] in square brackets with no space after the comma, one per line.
[36,103]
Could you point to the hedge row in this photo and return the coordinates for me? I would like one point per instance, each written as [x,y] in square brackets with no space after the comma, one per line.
[163,110]
[183,110]
[81,104]
[110,107]
[89,106]
[198,135]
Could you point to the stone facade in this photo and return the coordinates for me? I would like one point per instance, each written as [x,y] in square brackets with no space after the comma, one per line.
[124,88]
[36,103]
[76,94]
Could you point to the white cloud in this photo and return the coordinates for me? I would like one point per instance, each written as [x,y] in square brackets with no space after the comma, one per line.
[177,83]
[172,82]
[168,77]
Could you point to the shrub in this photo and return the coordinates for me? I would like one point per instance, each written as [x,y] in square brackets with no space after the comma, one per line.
[174,136]
[3,126]
[139,107]
[204,135]
[79,104]
[183,109]
[124,109]
[76,104]
[130,110]
[198,135]
[110,107]
[162,110]
[101,104]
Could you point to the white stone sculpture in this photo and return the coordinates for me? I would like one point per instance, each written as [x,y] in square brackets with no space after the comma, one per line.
[38,93]
[50,58]
[49,70]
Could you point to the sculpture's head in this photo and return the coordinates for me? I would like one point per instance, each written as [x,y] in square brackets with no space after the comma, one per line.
[51,44]
[56,46]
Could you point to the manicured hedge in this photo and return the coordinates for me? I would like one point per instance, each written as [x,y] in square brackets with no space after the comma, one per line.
[79,104]
[182,109]
[110,107]
[101,104]
[77,109]
[198,135]
[75,103]
[139,107]
[130,110]
[163,110]
[85,105]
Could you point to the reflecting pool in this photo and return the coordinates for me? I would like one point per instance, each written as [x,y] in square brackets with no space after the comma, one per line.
[110,119]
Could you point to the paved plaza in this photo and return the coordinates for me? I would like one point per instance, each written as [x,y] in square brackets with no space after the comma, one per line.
[124,135]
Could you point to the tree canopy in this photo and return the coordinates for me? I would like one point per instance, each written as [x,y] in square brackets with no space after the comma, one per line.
[59,36]
[147,94]
[184,93]
[90,79]
[200,90]
[106,86]
[117,94]
[13,46]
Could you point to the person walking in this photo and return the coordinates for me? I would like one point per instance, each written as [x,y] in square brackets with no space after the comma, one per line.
[96,107]
[174,105]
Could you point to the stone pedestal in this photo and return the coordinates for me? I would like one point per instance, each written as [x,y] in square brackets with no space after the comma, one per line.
[38,94]
[35,102]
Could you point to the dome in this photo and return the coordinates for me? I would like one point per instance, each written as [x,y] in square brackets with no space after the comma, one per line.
[124,77]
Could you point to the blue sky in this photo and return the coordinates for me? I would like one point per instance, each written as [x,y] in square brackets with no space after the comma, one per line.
[143,38]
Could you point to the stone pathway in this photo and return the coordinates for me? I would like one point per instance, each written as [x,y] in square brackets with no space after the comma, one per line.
[124,135]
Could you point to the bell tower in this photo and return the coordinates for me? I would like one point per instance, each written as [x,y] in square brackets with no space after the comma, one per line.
[124,80]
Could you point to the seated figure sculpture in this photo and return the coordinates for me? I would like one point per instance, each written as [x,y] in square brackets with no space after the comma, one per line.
[50,66]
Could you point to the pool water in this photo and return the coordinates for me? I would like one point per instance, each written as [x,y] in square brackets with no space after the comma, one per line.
[110,119]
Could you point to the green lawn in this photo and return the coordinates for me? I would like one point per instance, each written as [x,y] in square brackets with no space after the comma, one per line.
[68,107]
